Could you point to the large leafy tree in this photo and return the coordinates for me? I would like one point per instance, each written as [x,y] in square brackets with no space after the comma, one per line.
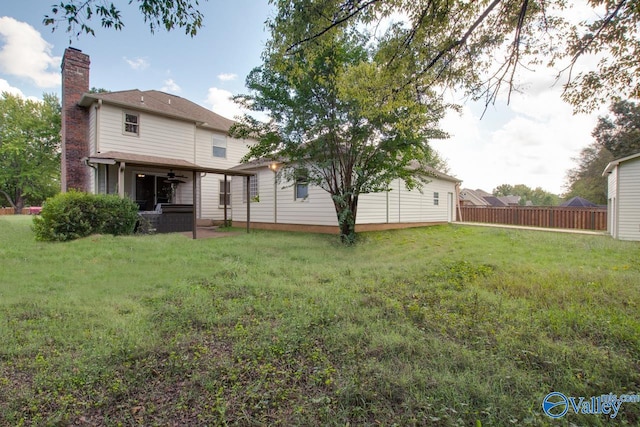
[29,149]
[337,119]
[620,132]
[586,180]
[615,136]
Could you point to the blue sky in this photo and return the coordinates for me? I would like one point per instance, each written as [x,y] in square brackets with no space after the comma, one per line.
[531,141]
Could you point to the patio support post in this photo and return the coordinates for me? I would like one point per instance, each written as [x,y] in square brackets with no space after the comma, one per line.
[248,201]
[121,179]
[195,206]
[226,221]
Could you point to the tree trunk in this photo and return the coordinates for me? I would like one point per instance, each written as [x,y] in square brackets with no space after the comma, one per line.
[15,208]
[346,209]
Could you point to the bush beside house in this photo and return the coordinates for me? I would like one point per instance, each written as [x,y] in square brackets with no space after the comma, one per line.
[73,215]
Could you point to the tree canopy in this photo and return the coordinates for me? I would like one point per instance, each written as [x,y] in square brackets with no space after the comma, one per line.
[479,45]
[29,149]
[337,119]
[620,133]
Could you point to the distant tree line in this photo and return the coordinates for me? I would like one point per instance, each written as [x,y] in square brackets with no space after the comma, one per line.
[615,136]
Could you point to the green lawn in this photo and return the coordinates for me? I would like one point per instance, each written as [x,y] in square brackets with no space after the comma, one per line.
[441,326]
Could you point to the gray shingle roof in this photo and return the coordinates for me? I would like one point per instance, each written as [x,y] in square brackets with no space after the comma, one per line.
[154,101]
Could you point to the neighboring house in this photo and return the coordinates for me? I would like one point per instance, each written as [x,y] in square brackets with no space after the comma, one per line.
[473,197]
[623,207]
[482,198]
[299,206]
[148,145]
[578,202]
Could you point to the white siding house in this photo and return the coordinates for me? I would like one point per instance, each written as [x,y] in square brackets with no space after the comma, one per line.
[623,206]
[154,147]
[166,130]
[275,206]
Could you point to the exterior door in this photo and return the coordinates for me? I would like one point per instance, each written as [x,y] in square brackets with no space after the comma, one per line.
[151,190]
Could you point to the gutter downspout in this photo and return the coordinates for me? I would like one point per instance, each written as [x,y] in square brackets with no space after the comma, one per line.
[459,211]
[195,205]
[98,107]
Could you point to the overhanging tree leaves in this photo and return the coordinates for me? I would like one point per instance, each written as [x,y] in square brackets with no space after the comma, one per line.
[482,44]
[338,119]
[167,14]
[479,45]
[29,149]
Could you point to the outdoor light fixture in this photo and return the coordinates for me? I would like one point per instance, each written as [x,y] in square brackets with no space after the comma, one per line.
[141,175]
[273,166]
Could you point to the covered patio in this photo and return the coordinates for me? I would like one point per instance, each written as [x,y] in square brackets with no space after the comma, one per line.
[112,169]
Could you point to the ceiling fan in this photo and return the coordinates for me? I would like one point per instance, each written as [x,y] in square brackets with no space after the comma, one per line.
[172,178]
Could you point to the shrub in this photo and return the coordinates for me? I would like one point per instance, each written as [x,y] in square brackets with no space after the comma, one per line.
[73,215]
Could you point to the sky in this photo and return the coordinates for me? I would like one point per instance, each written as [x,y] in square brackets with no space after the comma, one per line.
[531,141]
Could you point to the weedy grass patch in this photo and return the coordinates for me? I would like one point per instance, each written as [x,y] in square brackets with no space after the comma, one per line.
[444,326]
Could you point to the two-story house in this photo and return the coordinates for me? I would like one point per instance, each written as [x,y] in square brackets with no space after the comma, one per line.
[150,146]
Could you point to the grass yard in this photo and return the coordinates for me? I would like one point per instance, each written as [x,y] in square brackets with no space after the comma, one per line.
[443,326]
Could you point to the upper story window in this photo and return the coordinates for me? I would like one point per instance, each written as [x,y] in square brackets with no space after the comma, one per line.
[220,146]
[132,124]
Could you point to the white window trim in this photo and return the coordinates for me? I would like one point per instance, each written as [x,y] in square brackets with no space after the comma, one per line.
[124,123]
[436,198]
[295,191]
[220,139]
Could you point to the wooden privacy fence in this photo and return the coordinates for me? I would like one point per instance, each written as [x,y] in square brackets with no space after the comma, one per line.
[538,216]
[11,211]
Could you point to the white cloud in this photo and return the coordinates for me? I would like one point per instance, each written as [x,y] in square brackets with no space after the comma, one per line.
[170,86]
[137,64]
[6,87]
[533,146]
[227,77]
[26,54]
[221,103]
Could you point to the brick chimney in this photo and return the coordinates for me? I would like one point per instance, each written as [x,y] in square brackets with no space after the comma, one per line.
[75,120]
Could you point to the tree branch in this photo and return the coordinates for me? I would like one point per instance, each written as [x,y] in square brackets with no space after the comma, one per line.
[9,199]
[334,24]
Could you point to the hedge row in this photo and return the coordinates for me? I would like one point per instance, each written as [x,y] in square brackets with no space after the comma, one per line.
[73,215]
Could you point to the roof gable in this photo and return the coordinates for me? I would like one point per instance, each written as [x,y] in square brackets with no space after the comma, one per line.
[157,102]
[615,163]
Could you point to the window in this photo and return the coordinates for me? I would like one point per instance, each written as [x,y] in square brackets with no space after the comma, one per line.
[131,124]
[222,199]
[253,188]
[301,189]
[220,146]
[436,199]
